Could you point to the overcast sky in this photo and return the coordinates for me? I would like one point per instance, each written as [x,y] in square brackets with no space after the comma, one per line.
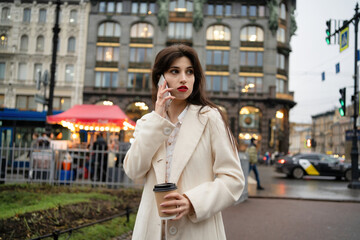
[311,56]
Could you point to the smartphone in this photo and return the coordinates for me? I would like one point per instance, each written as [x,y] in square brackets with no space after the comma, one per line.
[161,82]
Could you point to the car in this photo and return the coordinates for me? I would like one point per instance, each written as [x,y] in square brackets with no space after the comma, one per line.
[313,164]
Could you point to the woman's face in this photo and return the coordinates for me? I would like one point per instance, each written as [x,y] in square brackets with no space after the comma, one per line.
[180,76]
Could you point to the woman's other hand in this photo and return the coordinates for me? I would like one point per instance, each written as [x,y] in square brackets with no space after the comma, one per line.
[182,203]
[162,97]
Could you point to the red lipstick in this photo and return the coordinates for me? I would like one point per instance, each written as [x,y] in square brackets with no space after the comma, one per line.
[182,88]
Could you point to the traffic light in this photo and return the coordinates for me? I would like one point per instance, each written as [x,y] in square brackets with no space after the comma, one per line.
[342,100]
[308,143]
[328,32]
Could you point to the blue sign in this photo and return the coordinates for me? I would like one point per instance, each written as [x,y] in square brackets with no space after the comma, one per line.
[337,68]
[322,76]
[344,39]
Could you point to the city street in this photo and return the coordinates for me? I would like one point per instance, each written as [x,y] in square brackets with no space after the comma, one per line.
[312,208]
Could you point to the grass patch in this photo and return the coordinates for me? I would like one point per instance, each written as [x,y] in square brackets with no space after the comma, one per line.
[13,203]
[106,230]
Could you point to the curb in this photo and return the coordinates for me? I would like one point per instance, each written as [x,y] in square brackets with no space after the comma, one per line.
[307,199]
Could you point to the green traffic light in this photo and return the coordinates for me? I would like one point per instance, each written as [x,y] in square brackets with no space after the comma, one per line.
[341,111]
[328,40]
[328,32]
[342,103]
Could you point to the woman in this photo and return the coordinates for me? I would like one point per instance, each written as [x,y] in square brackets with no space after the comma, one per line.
[188,144]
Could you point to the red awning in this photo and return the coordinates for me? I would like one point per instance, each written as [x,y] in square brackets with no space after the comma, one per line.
[93,117]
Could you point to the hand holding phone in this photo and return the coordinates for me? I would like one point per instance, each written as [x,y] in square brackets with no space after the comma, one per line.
[160,83]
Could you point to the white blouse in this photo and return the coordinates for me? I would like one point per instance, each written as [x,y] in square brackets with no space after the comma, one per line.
[170,146]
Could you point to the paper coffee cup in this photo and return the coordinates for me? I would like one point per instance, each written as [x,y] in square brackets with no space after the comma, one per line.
[161,190]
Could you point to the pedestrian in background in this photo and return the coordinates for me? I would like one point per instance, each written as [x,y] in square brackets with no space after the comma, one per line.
[188,143]
[253,160]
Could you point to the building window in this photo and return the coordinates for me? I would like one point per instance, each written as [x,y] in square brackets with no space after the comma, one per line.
[180,30]
[281,34]
[142,30]
[252,34]
[106,79]
[280,85]
[181,6]
[26,103]
[110,7]
[22,71]
[109,29]
[282,11]
[219,10]
[217,57]
[250,58]
[280,61]
[5,14]
[142,8]
[37,69]
[252,10]
[24,42]
[138,81]
[42,15]
[140,54]
[71,44]
[27,15]
[107,54]
[251,84]
[61,103]
[73,16]
[3,41]
[69,73]
[217,83]
[218,33]
[2,70]
[40,44]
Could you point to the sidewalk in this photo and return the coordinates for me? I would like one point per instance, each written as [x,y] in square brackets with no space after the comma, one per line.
[295,210]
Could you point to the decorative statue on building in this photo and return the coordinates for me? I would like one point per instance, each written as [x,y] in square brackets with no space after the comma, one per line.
[198,15]
[273,15]
[163,13]
[293,25]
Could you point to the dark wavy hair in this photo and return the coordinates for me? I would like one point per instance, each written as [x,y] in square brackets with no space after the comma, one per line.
[162,63]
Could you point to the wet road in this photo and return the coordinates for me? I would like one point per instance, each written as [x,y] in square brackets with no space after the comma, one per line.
[312,208]
[315,188]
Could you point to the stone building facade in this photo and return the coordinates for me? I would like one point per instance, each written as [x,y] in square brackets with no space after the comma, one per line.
[26,32]
[244,48]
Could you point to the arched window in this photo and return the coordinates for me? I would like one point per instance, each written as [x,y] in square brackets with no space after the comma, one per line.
[218,33]
[142,30]
[282,11]
[24,42]
[250,117]
[181,6]
[71,44]
[109,29]
[136,110]
[252,34]
[27,15]
[5,14]
[40,43]
[73,16]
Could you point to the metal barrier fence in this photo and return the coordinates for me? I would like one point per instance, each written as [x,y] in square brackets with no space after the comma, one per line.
[22,164]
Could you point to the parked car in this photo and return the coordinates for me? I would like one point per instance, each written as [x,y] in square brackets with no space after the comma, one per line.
[313,164]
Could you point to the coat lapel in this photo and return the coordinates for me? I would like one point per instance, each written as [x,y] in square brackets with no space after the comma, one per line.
[188,138]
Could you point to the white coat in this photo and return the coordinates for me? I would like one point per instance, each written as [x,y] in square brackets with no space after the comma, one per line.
[205,168]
